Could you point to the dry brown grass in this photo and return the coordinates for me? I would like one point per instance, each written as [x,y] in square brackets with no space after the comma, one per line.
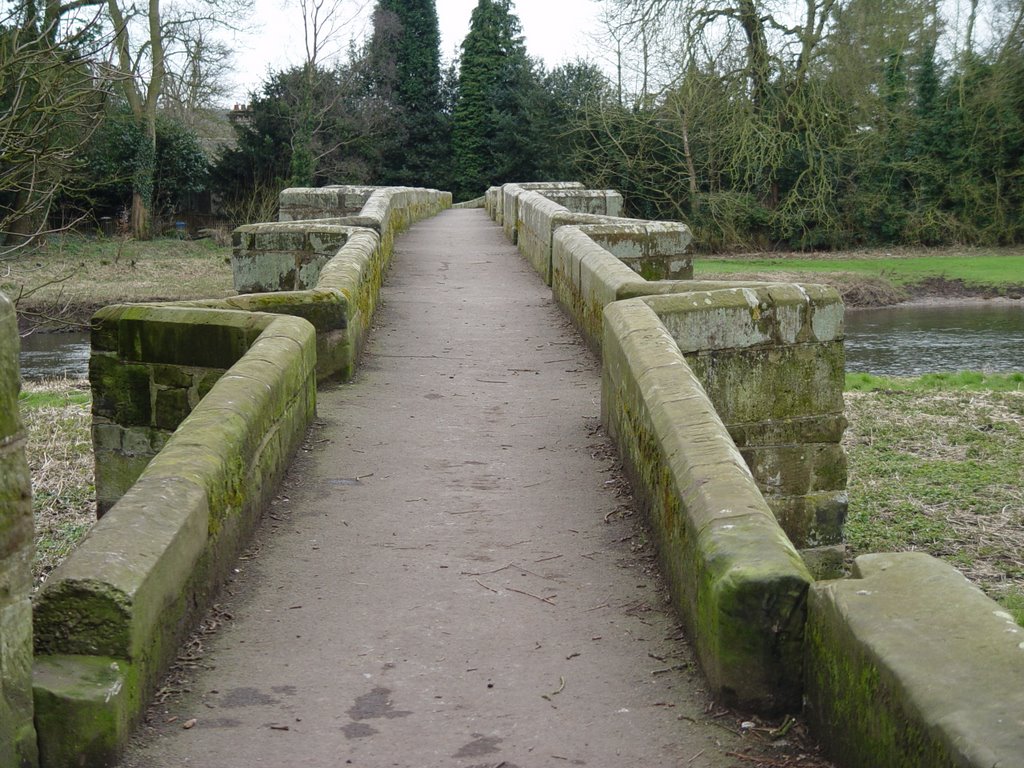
[59,451]
[72,276]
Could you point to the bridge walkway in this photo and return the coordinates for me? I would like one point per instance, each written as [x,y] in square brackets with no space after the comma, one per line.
[449,577]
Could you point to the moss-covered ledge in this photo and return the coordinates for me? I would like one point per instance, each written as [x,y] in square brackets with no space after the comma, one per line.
[735,577]
[109,620]
[909,664]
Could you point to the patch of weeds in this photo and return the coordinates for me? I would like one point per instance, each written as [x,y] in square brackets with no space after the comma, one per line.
[59,452]
[1013,601]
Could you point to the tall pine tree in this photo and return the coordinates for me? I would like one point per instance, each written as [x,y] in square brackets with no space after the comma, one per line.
[494,122]
[405,58]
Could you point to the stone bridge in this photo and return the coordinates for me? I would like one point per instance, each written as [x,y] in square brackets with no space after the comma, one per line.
[443,542]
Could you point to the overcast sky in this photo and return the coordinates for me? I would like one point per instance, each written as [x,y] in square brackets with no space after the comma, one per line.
[555,30]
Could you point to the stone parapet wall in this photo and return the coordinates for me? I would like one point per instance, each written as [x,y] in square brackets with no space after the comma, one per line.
[17,732]
[769,355]
[507,202]
[110,618]
[327,270]
[735,577]
[302,203]
[198,406]
[771,360]
[909,664]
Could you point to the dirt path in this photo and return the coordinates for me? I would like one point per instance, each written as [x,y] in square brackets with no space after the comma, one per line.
[448,578]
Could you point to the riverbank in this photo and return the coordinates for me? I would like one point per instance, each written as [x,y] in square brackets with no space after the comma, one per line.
[880,278]
[59,285]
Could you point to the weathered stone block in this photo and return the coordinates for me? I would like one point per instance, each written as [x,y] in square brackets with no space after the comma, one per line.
[774,382]
[120,391]
[826,562]
[908,664]
[797,469]
[813,519]
[15,500]
[172,406]
[115,473]
[83,709]
[172,376]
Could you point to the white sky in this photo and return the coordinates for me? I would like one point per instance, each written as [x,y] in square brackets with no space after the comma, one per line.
[555,30]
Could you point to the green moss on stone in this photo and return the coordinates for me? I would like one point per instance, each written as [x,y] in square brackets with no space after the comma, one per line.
[120,391]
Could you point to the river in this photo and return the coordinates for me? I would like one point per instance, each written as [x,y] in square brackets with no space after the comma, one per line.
[906,340]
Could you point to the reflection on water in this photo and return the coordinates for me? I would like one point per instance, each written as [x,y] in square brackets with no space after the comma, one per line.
[911,340]
[895,341]
[53,355]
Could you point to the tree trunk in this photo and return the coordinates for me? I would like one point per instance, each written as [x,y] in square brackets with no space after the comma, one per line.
[141,224]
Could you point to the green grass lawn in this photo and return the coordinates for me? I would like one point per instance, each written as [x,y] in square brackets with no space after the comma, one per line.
[983,270]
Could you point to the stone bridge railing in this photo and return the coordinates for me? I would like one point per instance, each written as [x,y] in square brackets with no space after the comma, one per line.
[198,405]
[197,410]
[725,400]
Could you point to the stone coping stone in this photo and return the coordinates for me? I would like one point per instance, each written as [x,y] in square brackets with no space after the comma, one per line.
[606,202]
[736,578]
[751,315]
[84,705]
[635,240]
[909,664]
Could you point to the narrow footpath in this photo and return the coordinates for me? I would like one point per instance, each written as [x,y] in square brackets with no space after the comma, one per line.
[449,576]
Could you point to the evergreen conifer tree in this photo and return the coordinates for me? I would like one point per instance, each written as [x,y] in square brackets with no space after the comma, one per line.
[405,55]
[498,99]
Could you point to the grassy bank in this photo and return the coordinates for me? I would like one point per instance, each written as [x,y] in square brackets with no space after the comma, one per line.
[878,278]
[59,452]
[937,465]
[71,276]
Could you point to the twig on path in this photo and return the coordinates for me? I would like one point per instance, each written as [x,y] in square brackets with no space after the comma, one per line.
[530,594]
[489,589]
[545,559]
[561,687]
[485,573]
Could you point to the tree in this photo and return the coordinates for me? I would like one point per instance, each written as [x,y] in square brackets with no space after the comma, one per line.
[142,39]
[344,118]
[493,131]
[50,99]
[103,186]
[404,58]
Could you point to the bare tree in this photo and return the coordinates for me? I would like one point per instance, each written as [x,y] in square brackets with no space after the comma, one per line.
[51,95]
[144,35]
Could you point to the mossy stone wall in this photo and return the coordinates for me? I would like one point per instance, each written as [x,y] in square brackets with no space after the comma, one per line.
[735,576]
[17,731]
[146,571]
[771,360]
[909,664]
[507,202]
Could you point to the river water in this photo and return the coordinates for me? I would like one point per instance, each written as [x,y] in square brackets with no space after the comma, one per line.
[54,355]
[912,339]
[907,340]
